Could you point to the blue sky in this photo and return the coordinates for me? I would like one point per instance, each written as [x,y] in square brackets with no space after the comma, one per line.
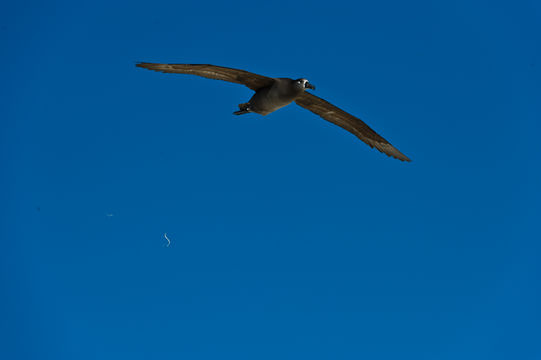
[290,238]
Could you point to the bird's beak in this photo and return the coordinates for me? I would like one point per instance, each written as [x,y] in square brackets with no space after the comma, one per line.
[309,86]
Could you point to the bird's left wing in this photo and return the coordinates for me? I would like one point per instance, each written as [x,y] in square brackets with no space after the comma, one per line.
[251,80]
[349,122]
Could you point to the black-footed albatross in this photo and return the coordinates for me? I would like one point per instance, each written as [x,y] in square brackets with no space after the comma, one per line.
[273,93]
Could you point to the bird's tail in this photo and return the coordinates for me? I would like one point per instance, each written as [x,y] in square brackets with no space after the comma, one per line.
[243,109]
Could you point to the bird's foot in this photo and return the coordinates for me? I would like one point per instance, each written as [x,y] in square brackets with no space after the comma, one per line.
[243,109]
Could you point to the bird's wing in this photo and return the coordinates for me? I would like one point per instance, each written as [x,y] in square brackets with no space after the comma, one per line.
[349,122]
[251,80]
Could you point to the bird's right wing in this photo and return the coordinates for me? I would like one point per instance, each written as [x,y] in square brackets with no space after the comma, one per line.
[349,122]
[251,80]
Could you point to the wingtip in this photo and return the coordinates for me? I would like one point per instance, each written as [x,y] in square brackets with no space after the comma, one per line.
[390,151]
[404,158]
[398,157]
[401,157]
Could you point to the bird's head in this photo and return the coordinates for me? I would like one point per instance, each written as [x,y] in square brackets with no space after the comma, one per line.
[303,84]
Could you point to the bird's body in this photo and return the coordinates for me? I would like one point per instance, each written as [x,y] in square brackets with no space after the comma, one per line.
[272,94]
[273,97]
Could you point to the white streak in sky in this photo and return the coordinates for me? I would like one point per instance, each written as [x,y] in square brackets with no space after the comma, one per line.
[166,238]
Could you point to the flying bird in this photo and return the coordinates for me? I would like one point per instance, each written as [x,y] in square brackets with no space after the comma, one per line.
[272,94]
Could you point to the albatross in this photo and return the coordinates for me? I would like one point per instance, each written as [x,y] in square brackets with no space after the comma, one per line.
[272,94]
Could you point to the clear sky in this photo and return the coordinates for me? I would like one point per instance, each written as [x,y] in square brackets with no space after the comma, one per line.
[290,238]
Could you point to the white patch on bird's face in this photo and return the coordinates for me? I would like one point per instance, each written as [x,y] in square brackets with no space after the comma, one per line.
[302,83]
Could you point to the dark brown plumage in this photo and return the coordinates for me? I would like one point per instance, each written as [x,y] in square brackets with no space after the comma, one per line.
[273,93]
[251,80]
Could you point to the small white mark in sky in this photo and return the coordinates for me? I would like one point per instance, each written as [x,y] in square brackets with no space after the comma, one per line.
[109,215]
[166,238]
